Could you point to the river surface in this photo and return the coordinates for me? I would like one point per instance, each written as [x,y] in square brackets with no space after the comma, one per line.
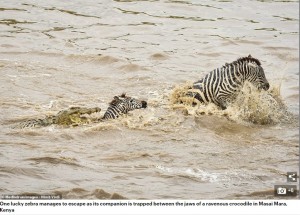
[59,54]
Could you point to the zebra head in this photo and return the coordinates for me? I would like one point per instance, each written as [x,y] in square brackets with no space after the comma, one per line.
[122,105]
[130,103]
[256,74]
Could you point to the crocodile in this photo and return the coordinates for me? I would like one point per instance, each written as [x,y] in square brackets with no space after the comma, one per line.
[73,116]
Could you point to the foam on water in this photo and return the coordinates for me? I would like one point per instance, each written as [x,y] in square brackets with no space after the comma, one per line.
[207,176]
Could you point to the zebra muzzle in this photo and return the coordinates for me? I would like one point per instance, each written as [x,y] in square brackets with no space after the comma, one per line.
[144,104]
[266,86]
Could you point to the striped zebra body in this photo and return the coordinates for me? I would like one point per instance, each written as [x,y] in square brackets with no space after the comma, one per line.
[222,85]
[121,105]
[75,115]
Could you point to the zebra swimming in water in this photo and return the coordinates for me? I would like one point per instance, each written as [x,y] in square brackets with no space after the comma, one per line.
[74,116]
[122,105]
[222,85]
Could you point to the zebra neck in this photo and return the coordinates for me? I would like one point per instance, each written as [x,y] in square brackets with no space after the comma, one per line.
[112,112]
[246,72]
[239,73]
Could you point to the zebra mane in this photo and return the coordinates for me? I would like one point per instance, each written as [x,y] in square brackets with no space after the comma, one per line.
[116,99]
[244,59]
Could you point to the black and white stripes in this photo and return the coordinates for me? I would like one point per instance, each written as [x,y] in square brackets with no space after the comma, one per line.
[122,105]
[221,85]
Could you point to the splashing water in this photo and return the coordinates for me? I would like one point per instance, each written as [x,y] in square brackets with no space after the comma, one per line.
[250,106]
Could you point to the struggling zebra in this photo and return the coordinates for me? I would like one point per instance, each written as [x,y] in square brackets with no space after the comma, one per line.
[122,105]
[74,116]
[222,85]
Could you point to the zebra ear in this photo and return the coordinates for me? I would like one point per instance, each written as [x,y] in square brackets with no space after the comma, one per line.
[123,95]
[249,56]
[115,100]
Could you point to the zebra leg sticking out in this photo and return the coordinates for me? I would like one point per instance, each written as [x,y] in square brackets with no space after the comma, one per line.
[222,85]
[122,105]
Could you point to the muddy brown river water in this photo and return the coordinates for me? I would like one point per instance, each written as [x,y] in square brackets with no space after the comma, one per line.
[58,54]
